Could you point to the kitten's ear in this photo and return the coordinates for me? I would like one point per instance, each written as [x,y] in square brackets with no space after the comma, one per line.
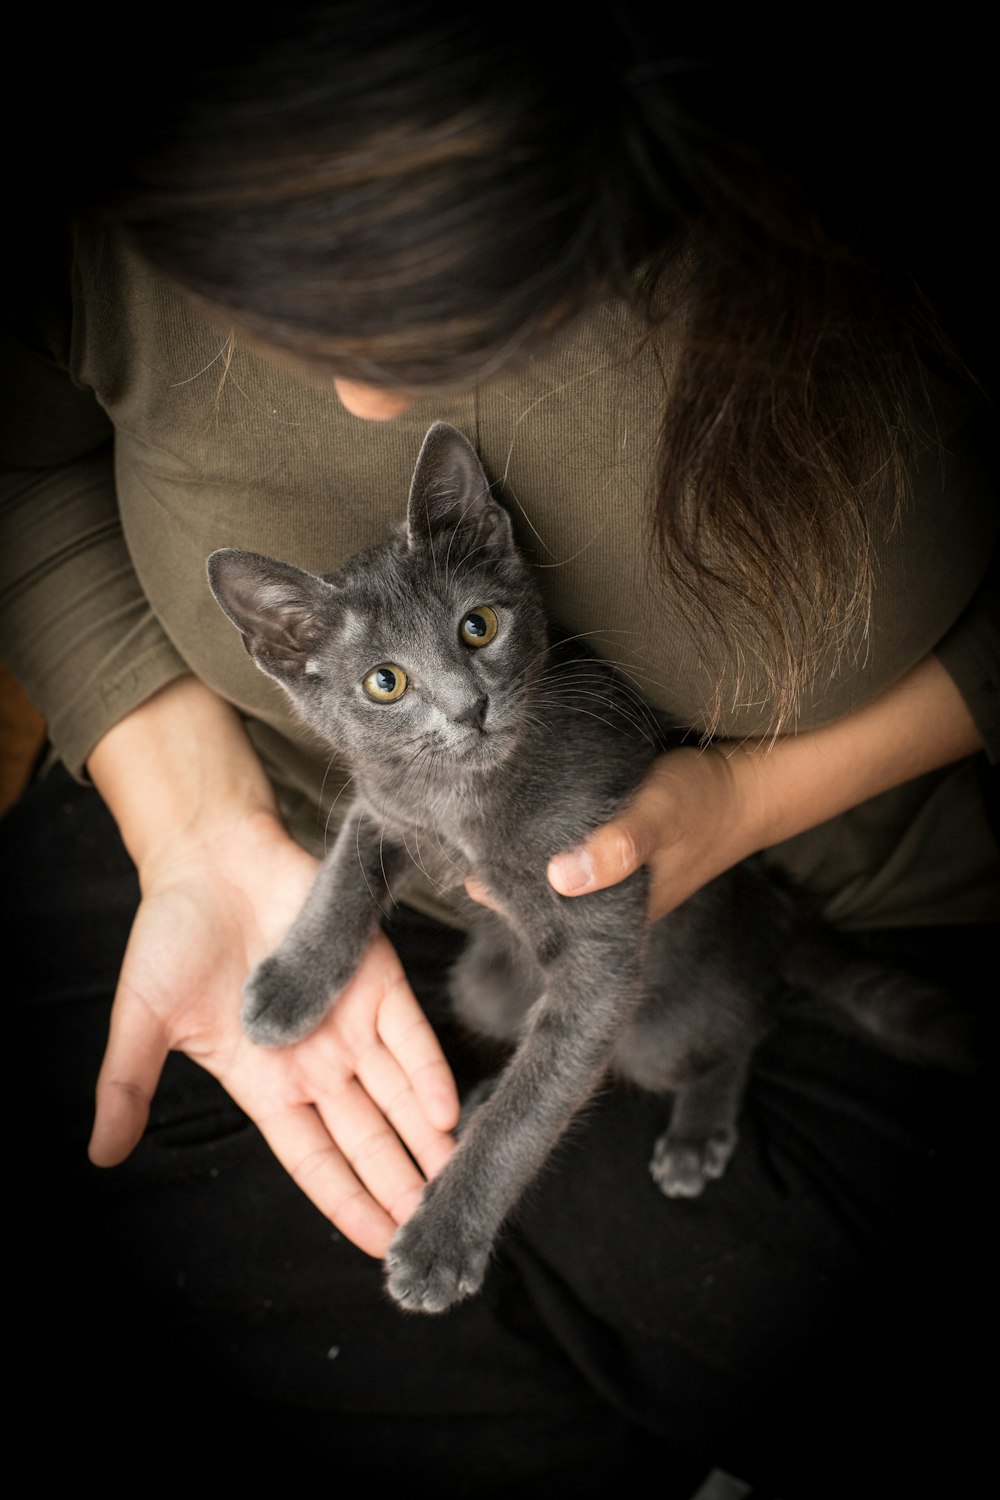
[450,492]
[277,608]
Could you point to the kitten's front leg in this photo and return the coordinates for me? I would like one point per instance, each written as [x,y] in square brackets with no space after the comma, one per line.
[291,990]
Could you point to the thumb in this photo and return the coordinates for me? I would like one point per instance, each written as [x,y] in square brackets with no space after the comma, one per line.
[607,856]
[133,1062]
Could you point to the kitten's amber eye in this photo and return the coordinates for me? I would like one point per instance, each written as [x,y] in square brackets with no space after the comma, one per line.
[385,683]
[479,626]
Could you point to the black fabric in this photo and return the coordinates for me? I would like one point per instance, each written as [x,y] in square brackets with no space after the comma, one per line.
[814,1323]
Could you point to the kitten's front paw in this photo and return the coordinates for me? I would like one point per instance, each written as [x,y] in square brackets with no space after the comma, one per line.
[431,1265]
[681,1169]
[474,1101]
[281,1004]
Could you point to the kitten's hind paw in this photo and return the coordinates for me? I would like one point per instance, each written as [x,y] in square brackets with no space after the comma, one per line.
[681,1169]
[280,1005]
[429,1272]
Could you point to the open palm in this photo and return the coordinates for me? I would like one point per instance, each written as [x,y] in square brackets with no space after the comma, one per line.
[359,1112]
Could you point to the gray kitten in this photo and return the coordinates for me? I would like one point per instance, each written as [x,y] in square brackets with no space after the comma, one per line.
[481,744]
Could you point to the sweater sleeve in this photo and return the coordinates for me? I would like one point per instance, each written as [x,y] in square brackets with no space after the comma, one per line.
[75,627]
[969,650]
[970,653]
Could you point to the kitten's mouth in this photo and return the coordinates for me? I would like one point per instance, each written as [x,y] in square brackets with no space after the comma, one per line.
[481,749]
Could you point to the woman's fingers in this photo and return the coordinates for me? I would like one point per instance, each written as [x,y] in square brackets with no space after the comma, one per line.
[353,1110]
[300,1139]
[409,1038]
[378,1010]
[371,1109]
[354,1137]
[478,892]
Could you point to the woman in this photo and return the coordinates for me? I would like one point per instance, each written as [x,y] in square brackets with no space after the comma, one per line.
[743,448]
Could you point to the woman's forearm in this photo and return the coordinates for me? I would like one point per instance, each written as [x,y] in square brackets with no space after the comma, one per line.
[916,726]
[178,765]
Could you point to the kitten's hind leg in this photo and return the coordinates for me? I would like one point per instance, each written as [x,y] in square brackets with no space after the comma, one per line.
[702,1134]
[492,987]
[495,981]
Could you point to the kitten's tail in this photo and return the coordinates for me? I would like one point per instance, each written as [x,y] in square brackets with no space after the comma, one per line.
[904,1014]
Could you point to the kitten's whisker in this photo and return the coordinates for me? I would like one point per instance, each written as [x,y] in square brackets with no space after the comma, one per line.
[601,719]
[636,674]
[547,651]
[586,668]
[381,860]
[537,726]
[319,800]
[619,696]
[333,804]
[629,669]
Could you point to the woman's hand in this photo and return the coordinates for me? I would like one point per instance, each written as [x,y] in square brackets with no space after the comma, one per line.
[693,817]
[698,812]
[343,1109]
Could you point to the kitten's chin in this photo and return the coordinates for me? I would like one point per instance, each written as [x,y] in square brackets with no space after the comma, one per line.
[482,753]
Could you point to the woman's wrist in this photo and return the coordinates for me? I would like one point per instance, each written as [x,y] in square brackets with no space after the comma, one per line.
[177,769]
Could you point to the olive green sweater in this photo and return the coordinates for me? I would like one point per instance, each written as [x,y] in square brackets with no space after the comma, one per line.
[138,437]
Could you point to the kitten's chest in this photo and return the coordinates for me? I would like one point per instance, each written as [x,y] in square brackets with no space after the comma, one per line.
[443,830]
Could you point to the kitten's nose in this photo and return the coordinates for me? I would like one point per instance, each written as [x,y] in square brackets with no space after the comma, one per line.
[474,714]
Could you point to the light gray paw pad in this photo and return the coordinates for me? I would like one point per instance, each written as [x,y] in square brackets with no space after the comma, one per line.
[681,1169]
[423,1275]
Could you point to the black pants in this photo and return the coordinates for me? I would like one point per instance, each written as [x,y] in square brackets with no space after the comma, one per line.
[815,1323]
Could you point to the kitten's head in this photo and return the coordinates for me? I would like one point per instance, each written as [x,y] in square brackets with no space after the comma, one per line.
[423,648]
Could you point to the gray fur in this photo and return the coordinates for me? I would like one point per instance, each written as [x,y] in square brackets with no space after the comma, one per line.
[492,760]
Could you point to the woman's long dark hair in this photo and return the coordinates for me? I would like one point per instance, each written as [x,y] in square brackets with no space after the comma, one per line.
[411,195]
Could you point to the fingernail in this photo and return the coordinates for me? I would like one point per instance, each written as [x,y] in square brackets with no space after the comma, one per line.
[575,870]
